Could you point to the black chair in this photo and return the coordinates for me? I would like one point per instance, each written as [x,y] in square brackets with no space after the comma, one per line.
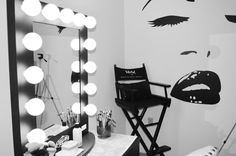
[134,97]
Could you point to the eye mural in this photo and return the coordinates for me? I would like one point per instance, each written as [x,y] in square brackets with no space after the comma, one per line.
[197,86]
[168,20]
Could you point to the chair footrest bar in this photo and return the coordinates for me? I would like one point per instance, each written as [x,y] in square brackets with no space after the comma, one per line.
[151,124]
[162,149]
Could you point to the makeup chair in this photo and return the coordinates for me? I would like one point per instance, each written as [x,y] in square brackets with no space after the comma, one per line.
[134,97]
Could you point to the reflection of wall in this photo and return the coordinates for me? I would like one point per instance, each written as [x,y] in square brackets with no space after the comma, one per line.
[5,115]
[186,126]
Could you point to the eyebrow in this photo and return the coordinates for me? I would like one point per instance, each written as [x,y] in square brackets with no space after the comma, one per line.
[188,52]
[151,0]
[146,4]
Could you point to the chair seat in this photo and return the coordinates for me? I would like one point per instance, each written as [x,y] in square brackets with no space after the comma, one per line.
[134,106]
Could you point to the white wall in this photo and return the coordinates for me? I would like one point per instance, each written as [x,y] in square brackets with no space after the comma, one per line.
[187,127]
[5,115]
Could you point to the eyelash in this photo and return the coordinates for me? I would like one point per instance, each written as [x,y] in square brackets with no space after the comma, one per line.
[231,18]
[168,20]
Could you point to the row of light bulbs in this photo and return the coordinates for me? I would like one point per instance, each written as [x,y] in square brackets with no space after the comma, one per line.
[51,12]
[34,75]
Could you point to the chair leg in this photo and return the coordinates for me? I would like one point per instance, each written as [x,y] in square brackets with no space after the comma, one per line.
[135,130]
[158,127]
[146,131]
[141,116]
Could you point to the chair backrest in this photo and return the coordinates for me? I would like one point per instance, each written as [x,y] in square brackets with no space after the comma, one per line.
[125,85]
[122,74]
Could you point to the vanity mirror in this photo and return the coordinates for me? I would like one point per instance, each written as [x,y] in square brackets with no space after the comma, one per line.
[32,35]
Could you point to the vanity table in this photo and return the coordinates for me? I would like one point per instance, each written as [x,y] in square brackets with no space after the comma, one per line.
[115,145]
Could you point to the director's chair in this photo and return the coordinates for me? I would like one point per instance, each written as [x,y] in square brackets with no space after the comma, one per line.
[134,97]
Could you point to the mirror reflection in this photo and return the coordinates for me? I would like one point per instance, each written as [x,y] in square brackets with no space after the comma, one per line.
[55,58]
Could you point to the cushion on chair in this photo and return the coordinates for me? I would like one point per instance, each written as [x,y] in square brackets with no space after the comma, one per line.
[135,91]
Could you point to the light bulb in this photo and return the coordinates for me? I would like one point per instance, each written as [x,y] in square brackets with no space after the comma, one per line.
[89,44]
[79,20]
[90,109]
[90,88]
[90,67]
[66,15]
[36,135]
[31,7]
[51,12]
[35,106]
[75,66]
[32,41]
[76,108]
[33,74]
[75,44]
[75,87]
[90,22]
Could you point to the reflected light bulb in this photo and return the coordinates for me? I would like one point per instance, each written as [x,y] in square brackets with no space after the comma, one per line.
[33,74]
[66,15]
[75,66]
[51,12]
[89,44]
[76,108]
[35,106]
[90,67]
[90,89]
[90,109]
[36,135]
[79,20]
[31,7]
[32,41]
[75,87]
[90,22]
[75,44]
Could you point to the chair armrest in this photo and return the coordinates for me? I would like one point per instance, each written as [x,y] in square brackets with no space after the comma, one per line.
[160,84]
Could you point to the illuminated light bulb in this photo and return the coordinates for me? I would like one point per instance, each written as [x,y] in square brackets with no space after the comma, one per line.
[89,44]
[51,12]
[35,106]
[75,87]
[75,44]
[36,135]
[66,15]
[90,109]
[32,41]
[76,108]
[90,22]
[75,66]
[79,20]
[90,67]
[31,7]
[33,74]
[90,88]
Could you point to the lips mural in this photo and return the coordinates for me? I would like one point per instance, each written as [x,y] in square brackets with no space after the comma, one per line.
[198,87]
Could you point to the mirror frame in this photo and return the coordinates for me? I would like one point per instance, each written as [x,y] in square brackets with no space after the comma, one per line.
[24,24]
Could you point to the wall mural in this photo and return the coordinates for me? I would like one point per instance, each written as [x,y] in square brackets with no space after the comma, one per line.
[168,20]
[190,45]
[198,87]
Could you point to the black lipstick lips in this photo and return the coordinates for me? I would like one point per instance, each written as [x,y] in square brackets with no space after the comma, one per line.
[199,87]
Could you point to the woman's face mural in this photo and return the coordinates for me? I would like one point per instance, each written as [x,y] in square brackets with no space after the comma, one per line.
[188,34]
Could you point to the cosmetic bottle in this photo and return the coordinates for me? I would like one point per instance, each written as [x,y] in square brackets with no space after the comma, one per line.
[77,134]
